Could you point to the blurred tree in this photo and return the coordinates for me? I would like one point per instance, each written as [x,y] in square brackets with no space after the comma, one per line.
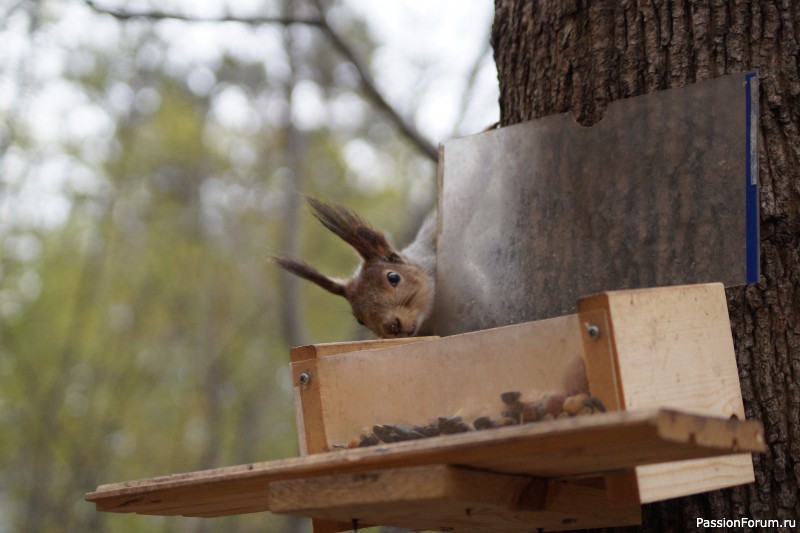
[142,332]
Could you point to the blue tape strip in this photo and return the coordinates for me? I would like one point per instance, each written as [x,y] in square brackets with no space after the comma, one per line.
[751,184]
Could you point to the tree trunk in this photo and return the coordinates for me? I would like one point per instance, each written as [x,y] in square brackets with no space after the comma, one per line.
[555,56]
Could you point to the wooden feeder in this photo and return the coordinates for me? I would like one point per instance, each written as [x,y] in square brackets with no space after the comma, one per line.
[661,361]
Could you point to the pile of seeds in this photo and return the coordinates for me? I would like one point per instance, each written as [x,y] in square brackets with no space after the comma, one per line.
[548,407]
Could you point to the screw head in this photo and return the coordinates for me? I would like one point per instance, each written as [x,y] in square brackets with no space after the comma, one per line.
[304,378]
[593,330]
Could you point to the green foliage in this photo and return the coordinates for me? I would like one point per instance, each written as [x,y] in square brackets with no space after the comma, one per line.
[144,336]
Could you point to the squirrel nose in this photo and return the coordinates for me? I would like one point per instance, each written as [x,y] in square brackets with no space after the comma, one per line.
[396,328]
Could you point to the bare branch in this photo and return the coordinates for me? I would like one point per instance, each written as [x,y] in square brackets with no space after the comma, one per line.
[367,82]
[163,15]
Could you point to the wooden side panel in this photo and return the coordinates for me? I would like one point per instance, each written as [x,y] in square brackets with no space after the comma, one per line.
[308,406]
[307,401]
[460,375]
[674,349]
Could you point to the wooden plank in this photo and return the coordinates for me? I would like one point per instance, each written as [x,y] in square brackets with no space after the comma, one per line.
[565,447]
[598,354]
[673,348]
[238,503]
[310,417]
[604,381]
[459,375]
[452,499]
[610,451]
[325,496]
[314,351]
[186,494]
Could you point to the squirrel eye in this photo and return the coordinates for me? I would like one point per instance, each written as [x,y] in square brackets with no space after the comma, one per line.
[394,278]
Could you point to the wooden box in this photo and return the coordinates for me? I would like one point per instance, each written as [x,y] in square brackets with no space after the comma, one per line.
[660,360]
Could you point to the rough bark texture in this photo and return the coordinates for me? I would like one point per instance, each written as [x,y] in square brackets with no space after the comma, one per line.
[555,56]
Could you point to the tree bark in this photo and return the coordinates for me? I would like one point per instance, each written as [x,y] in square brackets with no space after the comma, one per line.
[556,56]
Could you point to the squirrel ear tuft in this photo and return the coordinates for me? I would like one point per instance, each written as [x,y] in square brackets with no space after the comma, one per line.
[370,243]
[306,271]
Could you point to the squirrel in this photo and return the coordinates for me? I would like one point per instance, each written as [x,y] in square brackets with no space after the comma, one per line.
[391,292]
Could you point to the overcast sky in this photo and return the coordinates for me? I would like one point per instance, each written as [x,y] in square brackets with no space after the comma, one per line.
[447,35]
[425,52]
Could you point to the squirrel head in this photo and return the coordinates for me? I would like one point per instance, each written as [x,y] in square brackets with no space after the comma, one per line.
[388,294]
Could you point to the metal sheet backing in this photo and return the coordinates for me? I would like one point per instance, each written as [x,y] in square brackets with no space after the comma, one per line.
[662,191]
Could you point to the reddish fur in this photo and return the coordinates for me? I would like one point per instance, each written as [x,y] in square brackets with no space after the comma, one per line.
[389,311]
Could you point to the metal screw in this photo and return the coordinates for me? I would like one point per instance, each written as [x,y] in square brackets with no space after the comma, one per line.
[593,331]
[304,378]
